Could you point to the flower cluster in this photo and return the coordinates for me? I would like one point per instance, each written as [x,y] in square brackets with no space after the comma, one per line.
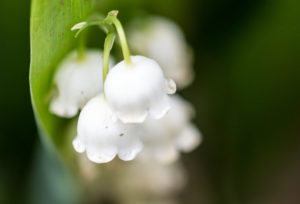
[126,109]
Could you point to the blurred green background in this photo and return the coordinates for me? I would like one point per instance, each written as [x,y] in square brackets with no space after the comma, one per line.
[246,93]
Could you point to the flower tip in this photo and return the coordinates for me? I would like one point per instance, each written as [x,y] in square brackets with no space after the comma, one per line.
[114,12]
[100,158]
[171,86]
[78,26]
[131,155]
[78,146]
[133,117]
[189,139]
[160,111]
[63,110]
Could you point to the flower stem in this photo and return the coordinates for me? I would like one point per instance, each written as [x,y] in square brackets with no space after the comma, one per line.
[108,44]
[112,19]
[81,47]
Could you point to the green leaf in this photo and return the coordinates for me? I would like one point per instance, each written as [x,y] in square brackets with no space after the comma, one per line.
[51,39]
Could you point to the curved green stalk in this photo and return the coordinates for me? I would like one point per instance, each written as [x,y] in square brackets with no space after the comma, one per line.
[108,44]
[83,25]
[112,19]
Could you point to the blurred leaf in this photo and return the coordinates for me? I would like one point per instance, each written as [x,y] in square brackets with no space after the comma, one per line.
[54,178]
[51,39]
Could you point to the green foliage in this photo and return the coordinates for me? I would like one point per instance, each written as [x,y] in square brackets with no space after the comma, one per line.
[51,39]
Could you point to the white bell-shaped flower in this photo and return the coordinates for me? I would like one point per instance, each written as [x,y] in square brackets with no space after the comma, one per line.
[165,138]
[103,136]
[136,90]
[76,81]
[163,40]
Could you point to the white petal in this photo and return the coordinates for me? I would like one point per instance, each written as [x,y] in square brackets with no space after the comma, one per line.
[129,144]
[78,145]
[189,139]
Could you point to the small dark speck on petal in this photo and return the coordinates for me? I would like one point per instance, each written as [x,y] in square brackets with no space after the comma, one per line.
[121,134]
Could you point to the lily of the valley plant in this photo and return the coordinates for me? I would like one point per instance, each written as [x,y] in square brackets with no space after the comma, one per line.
[126,109]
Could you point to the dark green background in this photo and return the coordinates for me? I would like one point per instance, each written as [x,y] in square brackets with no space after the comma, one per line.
[246,93]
